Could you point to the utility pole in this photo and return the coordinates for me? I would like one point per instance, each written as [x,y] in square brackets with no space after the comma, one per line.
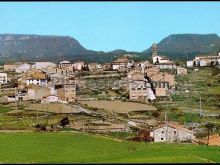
[166,123]
[16,98]
[200,111]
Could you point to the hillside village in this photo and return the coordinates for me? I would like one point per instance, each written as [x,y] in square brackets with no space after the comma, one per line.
[121,96]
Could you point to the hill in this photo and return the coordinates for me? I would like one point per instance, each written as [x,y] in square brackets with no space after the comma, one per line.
[178,46]
[40,46]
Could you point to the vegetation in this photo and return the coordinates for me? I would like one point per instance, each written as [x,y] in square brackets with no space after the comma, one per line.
[77,148]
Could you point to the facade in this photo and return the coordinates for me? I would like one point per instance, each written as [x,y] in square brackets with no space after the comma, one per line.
[172,133]
[206,60]
[65,64]
[78,65]
[140,90]
[168,65]
[66,92]
[120,63]
[164,77]
[37,78]
[181,71]
[3,78]
[189,64]
[10,67]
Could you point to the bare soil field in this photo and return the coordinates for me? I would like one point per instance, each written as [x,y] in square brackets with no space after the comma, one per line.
[119,106]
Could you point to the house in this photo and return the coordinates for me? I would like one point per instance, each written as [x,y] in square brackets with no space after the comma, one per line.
[167,65]
[161,60]
[37,77]
[140,90]
[95,67]
[135,74]
[164,78]
[23,68]
[181,71]
[78,65]
[207,60]
[66,91]
[120,63]
[65,64]
[10,67]
[3,78]
[172,132]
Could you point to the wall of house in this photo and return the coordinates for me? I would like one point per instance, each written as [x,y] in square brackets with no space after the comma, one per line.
[40,82]
[169,134]
[3,78]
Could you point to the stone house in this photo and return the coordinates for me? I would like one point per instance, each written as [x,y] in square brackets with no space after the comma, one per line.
[66,92]
[172,132]
[140,90]
[181,71]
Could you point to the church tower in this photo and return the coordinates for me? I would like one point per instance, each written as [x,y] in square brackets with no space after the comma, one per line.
[154,50]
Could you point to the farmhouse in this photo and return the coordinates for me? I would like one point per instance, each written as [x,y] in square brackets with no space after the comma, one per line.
[172,132]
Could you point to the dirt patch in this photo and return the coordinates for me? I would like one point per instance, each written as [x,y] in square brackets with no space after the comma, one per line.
[119,106]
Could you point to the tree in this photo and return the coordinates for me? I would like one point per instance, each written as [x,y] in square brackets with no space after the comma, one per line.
[64,122]
[209,126]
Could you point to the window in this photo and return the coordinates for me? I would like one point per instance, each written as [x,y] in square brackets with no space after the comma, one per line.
[162,132]
[161,138]
[174,132]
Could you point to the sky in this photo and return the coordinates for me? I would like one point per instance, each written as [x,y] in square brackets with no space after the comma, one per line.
[106,26]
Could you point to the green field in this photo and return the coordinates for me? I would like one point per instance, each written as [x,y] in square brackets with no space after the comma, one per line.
[68,147]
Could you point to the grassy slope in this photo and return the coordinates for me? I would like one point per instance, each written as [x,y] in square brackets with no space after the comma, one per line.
[77,148]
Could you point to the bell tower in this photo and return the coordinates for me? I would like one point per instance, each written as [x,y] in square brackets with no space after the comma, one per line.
[154,50]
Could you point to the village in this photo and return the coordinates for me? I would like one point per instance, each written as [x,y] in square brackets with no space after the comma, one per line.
[121,96]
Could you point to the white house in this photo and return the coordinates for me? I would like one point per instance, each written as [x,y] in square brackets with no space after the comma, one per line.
[3,78]
[172,132]
[23,68]
[160,59]
[37,78]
